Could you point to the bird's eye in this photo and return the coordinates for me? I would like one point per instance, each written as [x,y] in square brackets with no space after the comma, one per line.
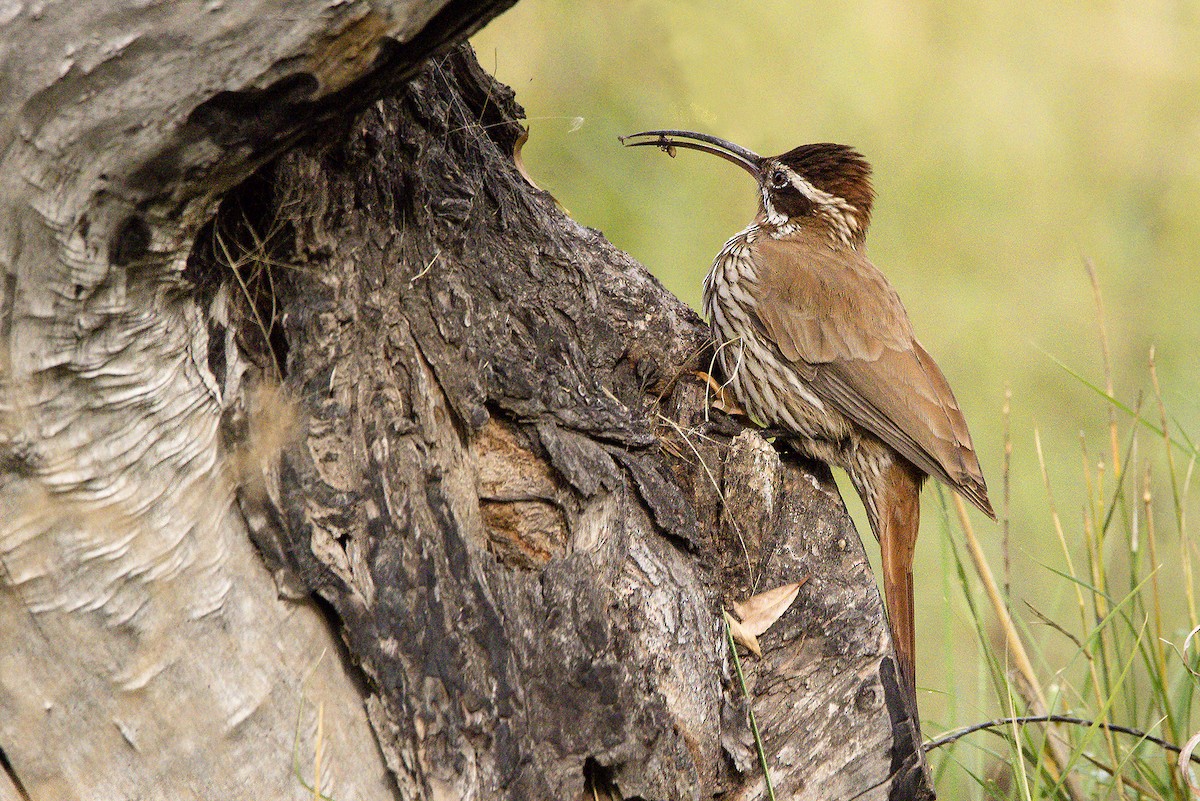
[779,179]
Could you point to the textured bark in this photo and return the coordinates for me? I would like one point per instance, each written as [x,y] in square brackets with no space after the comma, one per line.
[509,492]
[390,393]
[144,652]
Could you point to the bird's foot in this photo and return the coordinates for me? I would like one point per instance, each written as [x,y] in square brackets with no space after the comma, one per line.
[724,401]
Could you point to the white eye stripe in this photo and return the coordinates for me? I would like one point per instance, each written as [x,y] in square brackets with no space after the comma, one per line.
[841,216]
[808,190]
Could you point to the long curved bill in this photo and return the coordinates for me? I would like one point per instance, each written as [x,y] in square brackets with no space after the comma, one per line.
[667,141]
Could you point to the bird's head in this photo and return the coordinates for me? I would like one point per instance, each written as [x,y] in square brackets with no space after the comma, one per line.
[820,184]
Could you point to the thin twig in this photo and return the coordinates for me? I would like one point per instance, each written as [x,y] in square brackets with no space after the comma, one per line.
[425,270]
[958,734]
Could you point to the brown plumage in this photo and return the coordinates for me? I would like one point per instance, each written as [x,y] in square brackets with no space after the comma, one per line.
[812,338]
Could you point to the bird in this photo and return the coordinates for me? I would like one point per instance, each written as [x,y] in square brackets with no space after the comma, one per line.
[812,340]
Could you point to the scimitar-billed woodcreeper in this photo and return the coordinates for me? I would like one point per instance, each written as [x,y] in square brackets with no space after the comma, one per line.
[812,339]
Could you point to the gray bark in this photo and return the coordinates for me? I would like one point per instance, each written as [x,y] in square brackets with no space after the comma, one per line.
[144,652]
[388,443]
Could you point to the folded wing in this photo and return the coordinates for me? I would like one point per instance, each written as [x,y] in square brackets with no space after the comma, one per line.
[842,326]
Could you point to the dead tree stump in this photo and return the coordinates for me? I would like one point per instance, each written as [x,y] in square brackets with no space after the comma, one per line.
[513,495]
[495,520]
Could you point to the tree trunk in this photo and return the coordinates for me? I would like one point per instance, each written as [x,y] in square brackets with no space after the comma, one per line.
[384,474]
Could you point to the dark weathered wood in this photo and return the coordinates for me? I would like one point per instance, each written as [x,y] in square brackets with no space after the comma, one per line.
[509,493]
[393,463]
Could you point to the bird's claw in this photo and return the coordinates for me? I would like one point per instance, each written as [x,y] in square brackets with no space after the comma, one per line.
[724,402]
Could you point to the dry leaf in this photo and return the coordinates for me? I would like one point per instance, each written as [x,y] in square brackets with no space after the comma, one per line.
[759,613]
[742,636]
[521,140]
[1185,762]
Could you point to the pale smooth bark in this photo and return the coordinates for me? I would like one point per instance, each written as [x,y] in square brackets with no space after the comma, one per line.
[144,650]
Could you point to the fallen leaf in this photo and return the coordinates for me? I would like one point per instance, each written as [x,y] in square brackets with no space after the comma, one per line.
[742,636]
[759,612]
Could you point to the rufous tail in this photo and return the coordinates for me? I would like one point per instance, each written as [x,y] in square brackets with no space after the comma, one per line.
[899,509]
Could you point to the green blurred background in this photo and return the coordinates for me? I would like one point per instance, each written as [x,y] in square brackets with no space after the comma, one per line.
[1010,142]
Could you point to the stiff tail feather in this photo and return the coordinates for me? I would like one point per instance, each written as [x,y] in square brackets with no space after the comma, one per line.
[899,507]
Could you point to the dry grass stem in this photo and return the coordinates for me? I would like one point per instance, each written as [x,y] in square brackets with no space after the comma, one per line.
[1029,686]
[1106,355]
[1006,491]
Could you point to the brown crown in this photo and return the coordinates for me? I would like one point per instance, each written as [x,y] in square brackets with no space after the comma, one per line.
[839,170]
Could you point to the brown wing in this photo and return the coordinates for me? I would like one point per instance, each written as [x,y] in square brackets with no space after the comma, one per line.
[840,322]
